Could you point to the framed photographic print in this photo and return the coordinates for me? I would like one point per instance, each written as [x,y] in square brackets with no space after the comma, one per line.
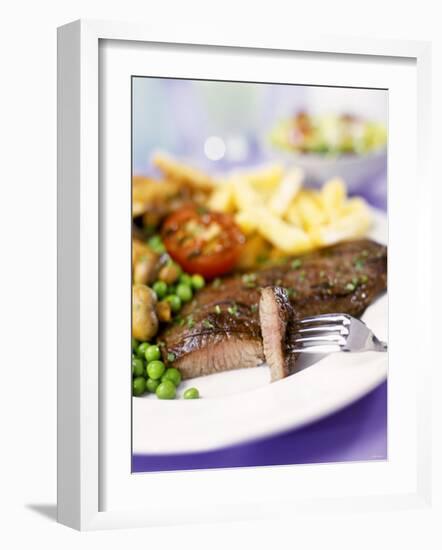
[228,210]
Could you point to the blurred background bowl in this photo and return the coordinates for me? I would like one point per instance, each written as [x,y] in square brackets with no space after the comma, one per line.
[356,170]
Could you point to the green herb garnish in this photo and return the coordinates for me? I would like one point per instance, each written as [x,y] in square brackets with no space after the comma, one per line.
[291,292]
[207,324]
[217,309]
[216,282]
[296,263]
[249,279]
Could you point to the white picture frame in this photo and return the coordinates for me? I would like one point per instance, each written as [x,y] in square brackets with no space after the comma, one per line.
[80,433]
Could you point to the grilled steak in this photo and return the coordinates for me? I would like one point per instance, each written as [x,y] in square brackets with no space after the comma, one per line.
[219,329]
[275,314]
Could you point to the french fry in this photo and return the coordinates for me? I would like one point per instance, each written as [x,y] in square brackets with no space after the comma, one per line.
[246,221]
[333,195]
[286,191]
[265,178]
[178,171]
[355,204]
[147,192]
[290,239]
[138,208]
[353,224]
[253,214]
[293,216]
[245,195]
[222,198]
[309,210]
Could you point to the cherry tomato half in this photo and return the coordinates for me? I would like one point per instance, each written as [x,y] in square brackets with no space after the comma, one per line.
[208,243]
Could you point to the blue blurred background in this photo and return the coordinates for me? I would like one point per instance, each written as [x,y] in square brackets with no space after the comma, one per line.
[180,115]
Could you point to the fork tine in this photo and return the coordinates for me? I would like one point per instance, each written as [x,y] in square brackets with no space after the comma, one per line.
[326,318]
[342,329]
[315,349]
[321,339]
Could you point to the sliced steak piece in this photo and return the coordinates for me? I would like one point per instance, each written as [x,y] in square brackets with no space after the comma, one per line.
[223,337]
[275,314]
[343,278]
[218,352]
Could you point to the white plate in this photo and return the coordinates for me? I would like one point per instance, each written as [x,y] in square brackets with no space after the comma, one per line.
[242,405]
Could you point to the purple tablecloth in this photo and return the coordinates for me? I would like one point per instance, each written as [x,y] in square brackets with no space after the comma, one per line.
[358,432]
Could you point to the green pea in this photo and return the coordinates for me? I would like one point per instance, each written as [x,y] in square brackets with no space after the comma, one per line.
[137,367]
[134,344]
[191,393]
[138,385]
[198,281]
[166,390]
[160,289]
[174,301]
[152,385]
[173,375]
[155,369]
[156,244]
[141,351]
[152,353]
[184,292]
[185,279]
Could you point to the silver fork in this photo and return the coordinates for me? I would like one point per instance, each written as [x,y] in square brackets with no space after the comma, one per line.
[333,332]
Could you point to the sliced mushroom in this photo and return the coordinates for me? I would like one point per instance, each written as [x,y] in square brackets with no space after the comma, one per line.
[169,273]
[144,317]
[146,263]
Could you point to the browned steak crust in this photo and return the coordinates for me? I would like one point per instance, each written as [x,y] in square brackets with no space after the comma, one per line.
[220,330]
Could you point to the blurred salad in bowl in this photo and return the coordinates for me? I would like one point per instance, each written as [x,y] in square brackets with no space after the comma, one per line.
[327,146]
[333,134]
